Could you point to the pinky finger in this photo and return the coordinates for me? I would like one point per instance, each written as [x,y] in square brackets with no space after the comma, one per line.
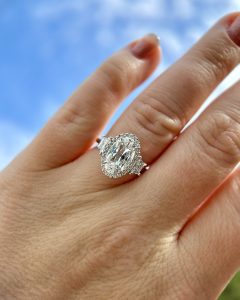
[212,240]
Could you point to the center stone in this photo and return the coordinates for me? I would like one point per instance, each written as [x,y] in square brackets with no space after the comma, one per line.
[120,155]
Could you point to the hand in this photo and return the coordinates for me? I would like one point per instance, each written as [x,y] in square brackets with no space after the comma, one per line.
[69,232]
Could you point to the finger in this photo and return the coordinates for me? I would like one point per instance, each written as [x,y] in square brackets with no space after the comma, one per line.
[200,159]
[160,112]
[211,241]
[75,127]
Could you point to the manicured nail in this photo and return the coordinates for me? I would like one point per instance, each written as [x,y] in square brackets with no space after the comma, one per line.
[144,46]
[234,31]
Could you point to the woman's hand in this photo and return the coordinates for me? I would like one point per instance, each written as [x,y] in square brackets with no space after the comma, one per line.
[69,232]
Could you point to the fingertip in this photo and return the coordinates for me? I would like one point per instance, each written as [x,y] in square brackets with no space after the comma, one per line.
[228,19]
[234,30]
[143,55]
[146,47]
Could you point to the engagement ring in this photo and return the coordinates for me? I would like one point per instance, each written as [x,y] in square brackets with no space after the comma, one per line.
[121,155]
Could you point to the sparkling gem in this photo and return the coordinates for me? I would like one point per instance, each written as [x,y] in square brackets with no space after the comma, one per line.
[101,146]
[121,155]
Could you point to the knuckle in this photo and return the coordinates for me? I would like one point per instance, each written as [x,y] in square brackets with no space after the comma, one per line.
[157,119]
[116,75]
[220,135]
[71,115]
[217,59]
[111,82]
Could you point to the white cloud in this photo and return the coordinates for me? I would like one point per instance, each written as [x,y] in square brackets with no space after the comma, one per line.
[184,9]
[235,4]
[56,9]
[110,10]
[136,17]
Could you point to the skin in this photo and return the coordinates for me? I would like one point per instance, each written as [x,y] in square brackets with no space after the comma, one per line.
[69,232]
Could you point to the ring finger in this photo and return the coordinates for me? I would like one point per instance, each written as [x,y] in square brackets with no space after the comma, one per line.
[158,115]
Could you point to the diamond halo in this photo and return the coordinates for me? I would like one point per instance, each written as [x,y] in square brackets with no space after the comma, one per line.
[120,155]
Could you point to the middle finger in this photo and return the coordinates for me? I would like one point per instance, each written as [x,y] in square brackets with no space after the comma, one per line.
[162,110]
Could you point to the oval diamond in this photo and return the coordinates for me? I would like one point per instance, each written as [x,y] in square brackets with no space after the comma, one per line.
[120,156]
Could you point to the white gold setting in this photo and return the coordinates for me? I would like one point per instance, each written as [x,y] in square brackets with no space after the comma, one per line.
[121,155]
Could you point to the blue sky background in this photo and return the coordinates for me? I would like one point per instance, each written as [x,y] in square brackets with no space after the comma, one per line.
[47,48]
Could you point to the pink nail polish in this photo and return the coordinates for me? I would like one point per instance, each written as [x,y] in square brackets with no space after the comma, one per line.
[143,47]
[234,31]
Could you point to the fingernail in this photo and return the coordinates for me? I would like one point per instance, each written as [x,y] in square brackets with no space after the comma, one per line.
[234,31]
[144,46]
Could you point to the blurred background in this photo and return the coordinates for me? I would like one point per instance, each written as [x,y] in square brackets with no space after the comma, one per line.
[48,47]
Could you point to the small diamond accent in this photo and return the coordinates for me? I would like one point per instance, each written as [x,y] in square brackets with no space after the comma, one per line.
[120,155]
